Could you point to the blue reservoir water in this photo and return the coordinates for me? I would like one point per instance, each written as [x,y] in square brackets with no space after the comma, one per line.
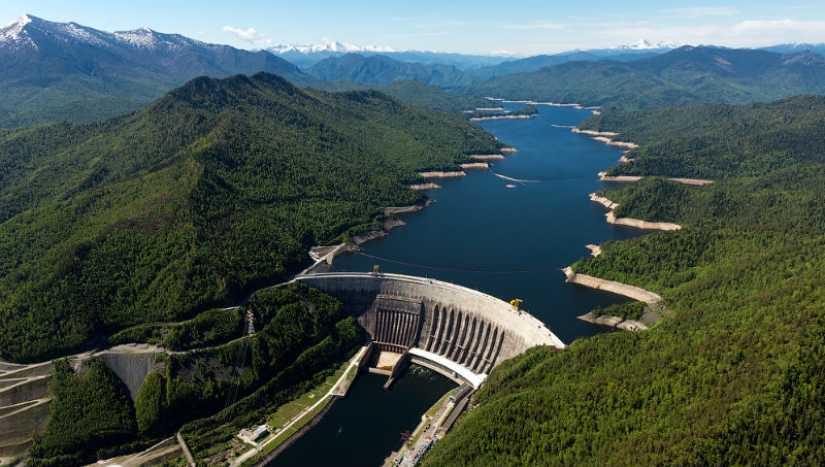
[512,242]
[366,426]
[509,239]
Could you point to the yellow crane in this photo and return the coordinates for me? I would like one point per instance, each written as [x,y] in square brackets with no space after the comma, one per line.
[515,303]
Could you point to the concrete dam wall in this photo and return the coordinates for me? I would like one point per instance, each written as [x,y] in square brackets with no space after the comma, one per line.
[470,329]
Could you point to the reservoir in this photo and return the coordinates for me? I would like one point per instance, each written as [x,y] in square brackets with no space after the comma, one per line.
[364,427]
[508,232]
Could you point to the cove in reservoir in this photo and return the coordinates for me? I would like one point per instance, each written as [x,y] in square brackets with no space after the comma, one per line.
[508,232]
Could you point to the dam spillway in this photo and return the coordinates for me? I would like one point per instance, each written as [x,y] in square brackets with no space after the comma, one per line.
[459,331]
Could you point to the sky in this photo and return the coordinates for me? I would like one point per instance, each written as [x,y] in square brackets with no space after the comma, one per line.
[484,27]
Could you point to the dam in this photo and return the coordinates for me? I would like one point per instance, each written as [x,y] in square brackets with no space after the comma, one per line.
[459,332]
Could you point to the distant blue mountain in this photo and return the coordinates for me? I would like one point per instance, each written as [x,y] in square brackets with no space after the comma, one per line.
[65,71]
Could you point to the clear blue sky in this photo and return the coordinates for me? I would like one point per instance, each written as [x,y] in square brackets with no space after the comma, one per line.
[520,27]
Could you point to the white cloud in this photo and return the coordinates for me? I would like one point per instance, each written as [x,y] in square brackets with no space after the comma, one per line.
[788,25]
[701,12]
[250,35]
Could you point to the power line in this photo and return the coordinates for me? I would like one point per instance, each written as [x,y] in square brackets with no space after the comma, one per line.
[441,268]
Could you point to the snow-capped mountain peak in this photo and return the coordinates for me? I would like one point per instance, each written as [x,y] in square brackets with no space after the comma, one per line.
[15,28]
[329,46]
[643,44]
[15,32]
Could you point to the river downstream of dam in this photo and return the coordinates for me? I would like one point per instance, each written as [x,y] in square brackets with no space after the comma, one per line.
[508,232]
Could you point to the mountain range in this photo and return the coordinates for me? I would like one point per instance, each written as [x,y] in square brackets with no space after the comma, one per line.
[685,76]
[68,72]
[217,187]
[56,71]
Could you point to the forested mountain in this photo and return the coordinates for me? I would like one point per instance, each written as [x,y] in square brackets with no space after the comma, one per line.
[720,141]
[57,71]
[733,374]
[379,69]
[685,76]
[307,55]
[217,188]
[415,92]
[535,63]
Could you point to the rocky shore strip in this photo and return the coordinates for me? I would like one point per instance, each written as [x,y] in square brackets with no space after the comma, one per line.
[444,174]
[475,166]
[630,291]
[607,137]
[636,223]
[501,117]
[635,178]
[488,157]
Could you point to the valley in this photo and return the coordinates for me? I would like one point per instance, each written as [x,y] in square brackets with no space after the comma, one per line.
[150,183]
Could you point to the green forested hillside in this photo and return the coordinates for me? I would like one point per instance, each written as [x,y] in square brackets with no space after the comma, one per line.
[216,189]
[414,92]
[212,392]
[733,373]
[720,141]
[685,76]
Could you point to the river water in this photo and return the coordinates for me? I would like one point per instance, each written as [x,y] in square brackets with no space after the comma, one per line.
[507,237]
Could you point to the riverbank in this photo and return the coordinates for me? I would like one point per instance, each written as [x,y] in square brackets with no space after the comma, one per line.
[502,117]
[614,322]
[635,178]
[630,291]
[551,104]
[611,218]
[294,425]
[607,137]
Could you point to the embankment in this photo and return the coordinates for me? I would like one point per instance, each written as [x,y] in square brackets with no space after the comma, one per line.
[613,321]
[635,178]
[445,174]
[607,137]
[628,222]
[630,291]
[501,117]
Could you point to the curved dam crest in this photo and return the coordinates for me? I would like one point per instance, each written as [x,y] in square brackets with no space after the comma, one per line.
[460,332]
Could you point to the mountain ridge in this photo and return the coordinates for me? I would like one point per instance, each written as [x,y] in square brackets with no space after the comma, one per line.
[218,188]
[52,70]
[685,76]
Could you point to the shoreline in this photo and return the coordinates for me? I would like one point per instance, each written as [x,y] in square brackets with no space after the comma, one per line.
[635,178]
[595,250]
[424,186]
[606,137]
[475,166]
[611,218]
[629,291]
[502,117]
[488,157]
[323,255]
[613,322]
[443,174]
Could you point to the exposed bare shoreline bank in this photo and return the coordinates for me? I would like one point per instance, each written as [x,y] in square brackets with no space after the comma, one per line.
[475,166]
[606,137]
[639,224]
[630,291]
[635,178]
[323,256]
[501,117]
[613,322]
